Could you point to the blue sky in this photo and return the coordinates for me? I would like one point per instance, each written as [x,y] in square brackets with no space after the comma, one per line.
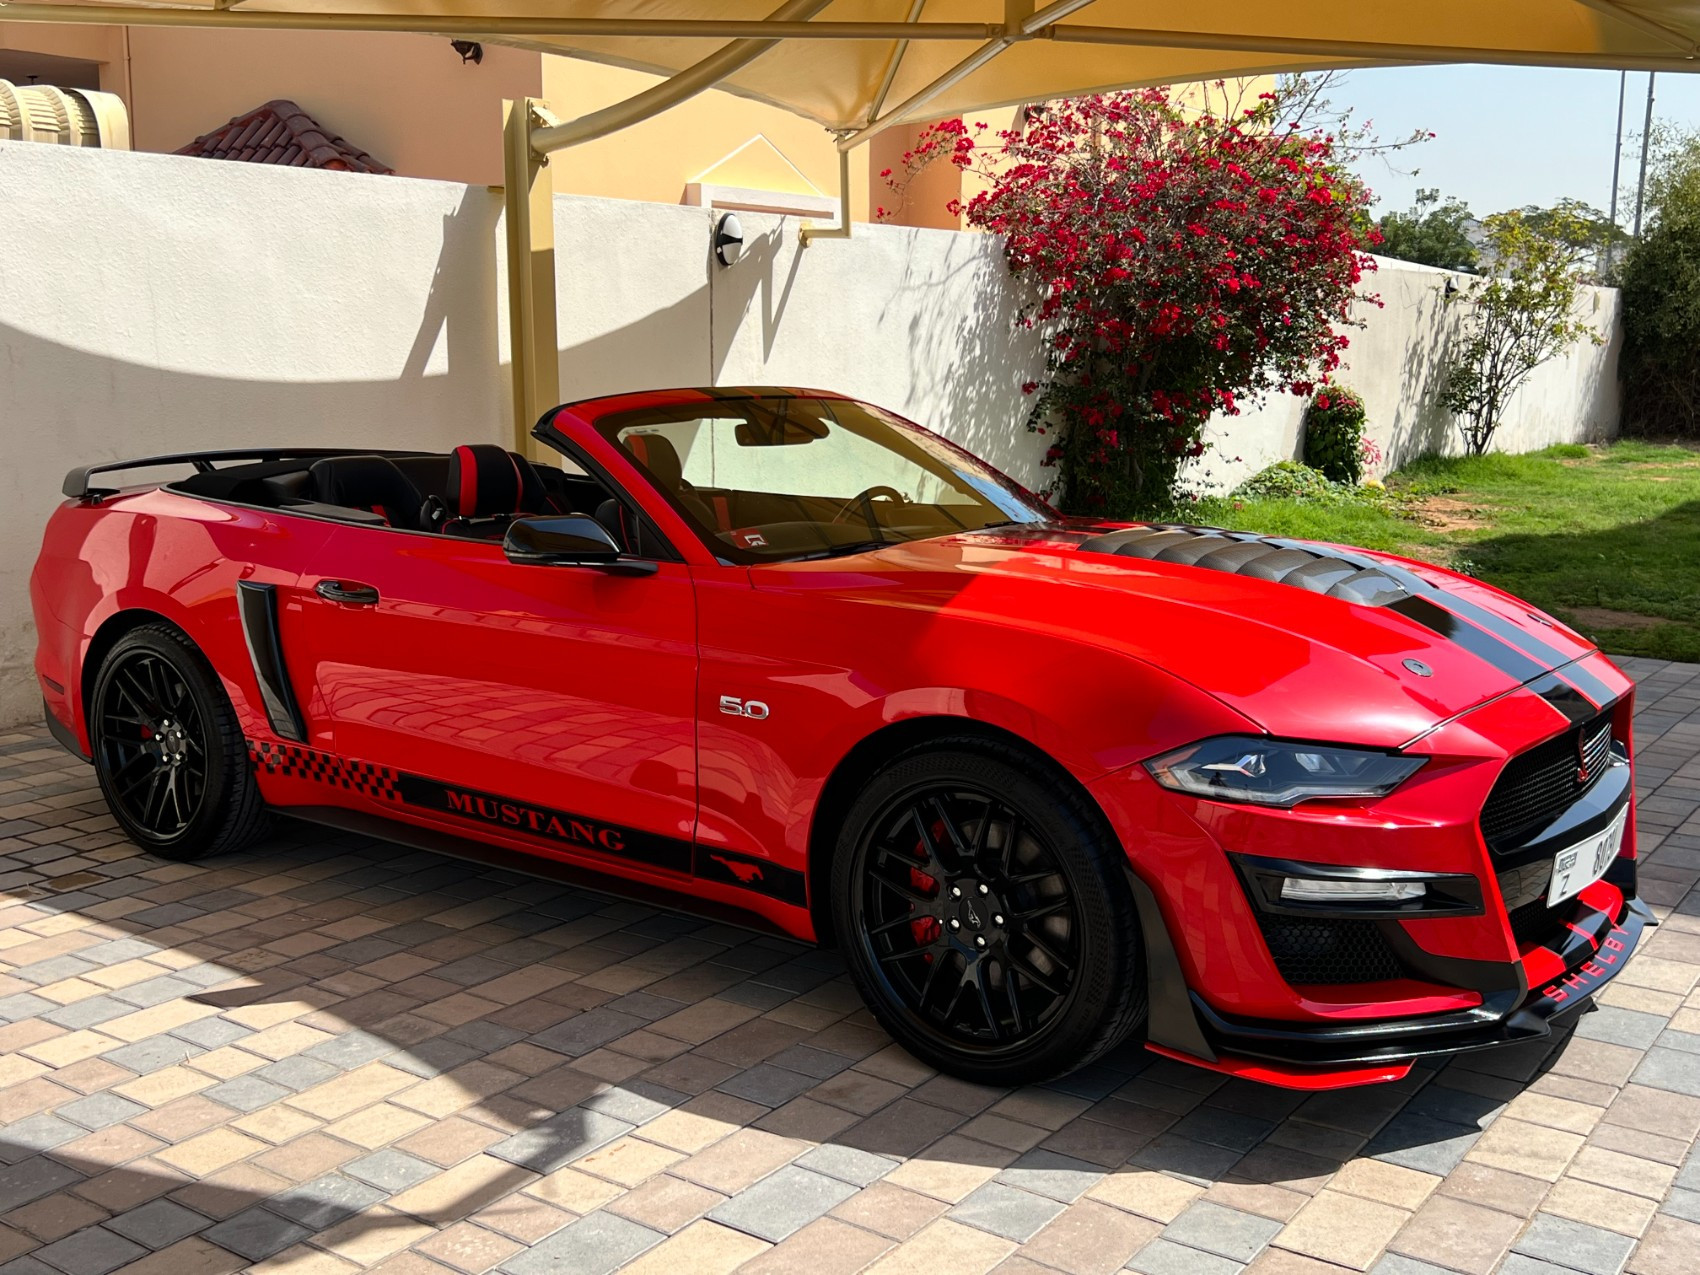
[1508,136]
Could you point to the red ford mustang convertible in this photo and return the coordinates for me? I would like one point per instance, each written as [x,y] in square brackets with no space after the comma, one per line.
[1292,811]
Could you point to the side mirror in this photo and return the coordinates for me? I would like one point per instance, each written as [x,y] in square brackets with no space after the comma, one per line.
[571,540]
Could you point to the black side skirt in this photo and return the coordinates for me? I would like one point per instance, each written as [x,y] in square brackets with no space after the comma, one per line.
[406,834]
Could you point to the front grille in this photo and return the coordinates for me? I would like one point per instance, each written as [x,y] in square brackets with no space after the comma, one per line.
[1329,951]
[1536,786]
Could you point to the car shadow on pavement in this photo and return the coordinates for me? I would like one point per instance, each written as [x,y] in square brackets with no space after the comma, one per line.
[334,1040]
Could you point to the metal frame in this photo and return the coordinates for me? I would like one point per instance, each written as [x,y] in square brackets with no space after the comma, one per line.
[530,133]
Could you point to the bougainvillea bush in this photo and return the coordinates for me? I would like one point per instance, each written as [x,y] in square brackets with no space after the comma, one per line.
[1334,434]
[1186,261]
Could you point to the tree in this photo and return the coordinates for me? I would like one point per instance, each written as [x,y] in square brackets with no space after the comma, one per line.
[1660,281]
[1582,226]
[1432,233]
[1185,260]
[1520,316]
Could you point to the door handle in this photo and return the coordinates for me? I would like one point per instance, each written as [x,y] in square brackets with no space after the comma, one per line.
[360,595]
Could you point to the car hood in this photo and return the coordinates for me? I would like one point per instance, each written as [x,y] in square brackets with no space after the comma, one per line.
[1308,640]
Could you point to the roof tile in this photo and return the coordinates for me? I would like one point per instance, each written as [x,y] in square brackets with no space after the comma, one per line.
[280,132]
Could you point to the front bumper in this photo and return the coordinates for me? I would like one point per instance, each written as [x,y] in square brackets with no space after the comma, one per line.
[1471,968]
[1503,1018]
[1600,936]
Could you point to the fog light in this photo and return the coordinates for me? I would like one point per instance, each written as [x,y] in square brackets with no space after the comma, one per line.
[1315,890]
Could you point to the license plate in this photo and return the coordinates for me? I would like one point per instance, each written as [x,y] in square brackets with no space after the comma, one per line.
[1579,866]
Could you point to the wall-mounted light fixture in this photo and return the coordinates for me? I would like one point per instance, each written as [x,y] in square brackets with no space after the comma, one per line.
[728,239]
[469,50]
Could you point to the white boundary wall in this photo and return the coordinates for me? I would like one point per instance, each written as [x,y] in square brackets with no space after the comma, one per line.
[151,303]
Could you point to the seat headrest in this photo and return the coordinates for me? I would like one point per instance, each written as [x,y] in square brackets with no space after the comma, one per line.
[656,453]
[368,482]
[486,479]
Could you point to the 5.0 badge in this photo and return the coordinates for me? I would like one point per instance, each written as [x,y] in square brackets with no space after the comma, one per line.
[753,709]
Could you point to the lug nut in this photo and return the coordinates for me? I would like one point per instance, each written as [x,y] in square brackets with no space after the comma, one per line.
[985,889]
[997,920]
[956,892]
[979,941]
[955,924]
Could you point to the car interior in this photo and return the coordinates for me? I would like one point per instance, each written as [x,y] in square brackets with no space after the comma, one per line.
[472,492]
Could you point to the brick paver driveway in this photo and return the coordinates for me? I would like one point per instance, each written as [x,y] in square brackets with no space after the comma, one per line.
[329,1054]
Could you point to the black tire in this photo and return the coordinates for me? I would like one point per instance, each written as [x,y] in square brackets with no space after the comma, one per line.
[168,751]
[976,861]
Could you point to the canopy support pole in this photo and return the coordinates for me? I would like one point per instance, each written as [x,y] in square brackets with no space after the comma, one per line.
[528,200]
[808,234]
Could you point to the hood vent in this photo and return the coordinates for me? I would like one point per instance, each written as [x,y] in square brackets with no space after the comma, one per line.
[1330,572]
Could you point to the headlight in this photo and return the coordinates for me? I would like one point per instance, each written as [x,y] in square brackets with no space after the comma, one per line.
[1268,772]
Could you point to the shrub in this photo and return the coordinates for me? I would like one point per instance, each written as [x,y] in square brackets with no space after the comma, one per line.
[1293,480]
[1334,434]
[1184,262]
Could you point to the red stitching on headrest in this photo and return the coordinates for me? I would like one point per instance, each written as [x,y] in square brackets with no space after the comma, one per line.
[468,497]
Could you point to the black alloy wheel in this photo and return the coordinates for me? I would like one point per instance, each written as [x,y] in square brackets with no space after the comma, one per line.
[983,919]
[152,744]
[969,914]
[168,750]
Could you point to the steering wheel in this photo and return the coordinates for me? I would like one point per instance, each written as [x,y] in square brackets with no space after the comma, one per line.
[866,499]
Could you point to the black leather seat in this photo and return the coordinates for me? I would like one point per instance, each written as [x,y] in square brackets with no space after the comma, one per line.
[368,482]
[657,454]
[487,486]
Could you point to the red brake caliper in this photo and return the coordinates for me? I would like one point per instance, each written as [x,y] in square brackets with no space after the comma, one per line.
[924,929]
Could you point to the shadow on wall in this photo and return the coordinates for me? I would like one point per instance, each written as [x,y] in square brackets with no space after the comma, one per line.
[1421,424]
[974,359]
[919,321]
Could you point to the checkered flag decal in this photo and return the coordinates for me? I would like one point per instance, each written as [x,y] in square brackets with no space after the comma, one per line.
[295,762]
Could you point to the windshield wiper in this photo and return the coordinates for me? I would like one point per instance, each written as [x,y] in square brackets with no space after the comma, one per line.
[844,550]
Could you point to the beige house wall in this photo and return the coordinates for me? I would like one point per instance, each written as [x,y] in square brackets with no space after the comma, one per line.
[412,103]
[104,45]
[406,99]
[655,159]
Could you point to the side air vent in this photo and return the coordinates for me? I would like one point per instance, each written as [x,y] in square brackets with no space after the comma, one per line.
[1245,554]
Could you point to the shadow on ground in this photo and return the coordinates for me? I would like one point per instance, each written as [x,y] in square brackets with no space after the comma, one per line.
[336,1039]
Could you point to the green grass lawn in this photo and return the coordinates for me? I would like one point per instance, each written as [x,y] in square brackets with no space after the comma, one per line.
[1606,538]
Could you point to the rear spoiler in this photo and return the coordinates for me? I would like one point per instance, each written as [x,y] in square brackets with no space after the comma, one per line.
[77,481]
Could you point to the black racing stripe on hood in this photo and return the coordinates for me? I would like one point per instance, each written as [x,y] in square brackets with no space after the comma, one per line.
[1548,656]
[1478,642]
[1589,685]
[1351,577]
[1565,697]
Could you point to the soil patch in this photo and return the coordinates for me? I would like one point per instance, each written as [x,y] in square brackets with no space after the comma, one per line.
[1589,618]
[1443,513]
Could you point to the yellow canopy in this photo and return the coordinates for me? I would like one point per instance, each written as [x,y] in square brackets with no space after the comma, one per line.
[858,65]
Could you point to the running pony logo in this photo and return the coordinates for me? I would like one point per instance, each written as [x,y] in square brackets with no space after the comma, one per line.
[745,872]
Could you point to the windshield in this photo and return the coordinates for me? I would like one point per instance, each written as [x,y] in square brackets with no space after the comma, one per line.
[770,478]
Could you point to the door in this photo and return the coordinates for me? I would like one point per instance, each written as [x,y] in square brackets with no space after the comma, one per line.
[550,703]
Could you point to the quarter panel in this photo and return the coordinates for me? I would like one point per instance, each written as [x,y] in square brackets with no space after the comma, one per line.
[174,556]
